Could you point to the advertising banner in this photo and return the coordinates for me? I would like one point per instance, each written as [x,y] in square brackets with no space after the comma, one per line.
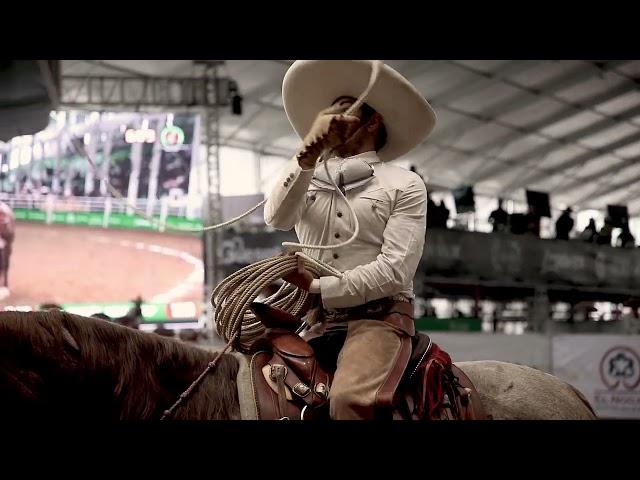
[605,368]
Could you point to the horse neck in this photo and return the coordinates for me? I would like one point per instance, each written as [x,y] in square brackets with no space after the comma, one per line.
[159,369]
[120,373]
[55,364]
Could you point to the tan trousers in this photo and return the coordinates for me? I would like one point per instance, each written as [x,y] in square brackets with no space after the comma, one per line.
[372,349]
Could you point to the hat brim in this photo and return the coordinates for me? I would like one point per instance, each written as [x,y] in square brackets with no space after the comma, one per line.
[310,86]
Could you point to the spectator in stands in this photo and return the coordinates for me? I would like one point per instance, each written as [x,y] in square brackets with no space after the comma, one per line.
[26,185]
[590,232]
[604,235]
[429,310]
[77,185]
[499,218]
[564,225]
[495,319]
[443,215]
[625,239]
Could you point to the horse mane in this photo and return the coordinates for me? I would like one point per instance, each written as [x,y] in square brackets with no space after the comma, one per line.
[145,373]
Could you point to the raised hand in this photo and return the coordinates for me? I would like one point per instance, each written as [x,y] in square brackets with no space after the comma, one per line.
[330,129]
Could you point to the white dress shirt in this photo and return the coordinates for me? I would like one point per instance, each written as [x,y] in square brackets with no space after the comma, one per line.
[391,209]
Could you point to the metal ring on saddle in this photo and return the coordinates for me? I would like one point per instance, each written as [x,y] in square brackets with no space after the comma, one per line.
[301,389]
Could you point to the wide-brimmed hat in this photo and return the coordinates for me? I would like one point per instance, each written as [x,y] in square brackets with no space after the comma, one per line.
[310,86]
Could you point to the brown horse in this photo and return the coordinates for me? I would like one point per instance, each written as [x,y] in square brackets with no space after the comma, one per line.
[7,235]
[59,365]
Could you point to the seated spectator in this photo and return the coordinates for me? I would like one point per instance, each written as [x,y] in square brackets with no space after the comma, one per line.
[499,218]
[590,232]
[442,215]
[564,225]
[625,239]
[604,235]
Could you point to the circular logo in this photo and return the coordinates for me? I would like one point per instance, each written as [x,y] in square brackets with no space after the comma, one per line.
[172,138]
[620,368]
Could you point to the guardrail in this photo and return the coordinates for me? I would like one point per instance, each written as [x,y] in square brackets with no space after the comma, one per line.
[100,212]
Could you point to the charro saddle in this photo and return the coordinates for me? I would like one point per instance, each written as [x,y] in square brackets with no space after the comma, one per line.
[290,382]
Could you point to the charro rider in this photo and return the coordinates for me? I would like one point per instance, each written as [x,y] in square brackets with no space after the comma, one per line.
[371,305]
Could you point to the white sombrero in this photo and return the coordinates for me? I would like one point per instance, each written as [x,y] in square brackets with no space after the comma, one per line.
[310,86]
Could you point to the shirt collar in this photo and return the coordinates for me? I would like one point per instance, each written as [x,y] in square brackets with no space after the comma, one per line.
[370,157]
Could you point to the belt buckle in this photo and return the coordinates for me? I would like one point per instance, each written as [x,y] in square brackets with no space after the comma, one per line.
[333,315]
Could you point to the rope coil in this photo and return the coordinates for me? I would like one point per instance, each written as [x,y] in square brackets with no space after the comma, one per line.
[232,298]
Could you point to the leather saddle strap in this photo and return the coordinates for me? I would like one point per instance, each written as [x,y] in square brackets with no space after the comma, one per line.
[385,394]
[292,380]
[278,374]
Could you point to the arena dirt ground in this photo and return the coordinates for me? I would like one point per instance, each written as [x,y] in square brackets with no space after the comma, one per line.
[68,264]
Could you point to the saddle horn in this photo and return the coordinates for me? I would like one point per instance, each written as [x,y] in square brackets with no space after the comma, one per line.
[273,317]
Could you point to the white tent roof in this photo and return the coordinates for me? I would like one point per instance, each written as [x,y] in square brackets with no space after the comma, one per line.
[570,128]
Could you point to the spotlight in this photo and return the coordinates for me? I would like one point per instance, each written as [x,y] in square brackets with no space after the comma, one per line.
[236,98]
[236,104]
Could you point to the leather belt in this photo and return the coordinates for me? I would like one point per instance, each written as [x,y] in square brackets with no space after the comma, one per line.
[376,309]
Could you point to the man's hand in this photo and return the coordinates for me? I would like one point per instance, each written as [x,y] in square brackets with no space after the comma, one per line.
[301,278]
[330,129]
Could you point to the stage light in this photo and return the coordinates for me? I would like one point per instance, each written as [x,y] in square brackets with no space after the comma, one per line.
[236,104]
[236,98]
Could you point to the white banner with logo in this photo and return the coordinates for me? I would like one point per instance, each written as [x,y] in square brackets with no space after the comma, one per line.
[605,368]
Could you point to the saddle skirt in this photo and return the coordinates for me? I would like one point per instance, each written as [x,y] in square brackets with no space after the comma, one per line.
[289,383]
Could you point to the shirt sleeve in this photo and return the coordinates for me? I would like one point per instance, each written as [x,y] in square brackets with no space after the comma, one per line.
[395,266]
[286,200]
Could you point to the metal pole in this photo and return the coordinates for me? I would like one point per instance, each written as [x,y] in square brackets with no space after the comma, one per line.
[211,120]
[215,194]
[154,169]
[207,210]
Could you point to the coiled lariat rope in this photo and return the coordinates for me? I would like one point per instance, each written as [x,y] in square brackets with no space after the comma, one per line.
[232,298]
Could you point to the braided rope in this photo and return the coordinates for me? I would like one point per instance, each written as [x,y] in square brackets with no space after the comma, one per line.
[233,297]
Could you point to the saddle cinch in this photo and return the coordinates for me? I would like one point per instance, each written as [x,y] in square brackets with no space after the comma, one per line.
[289,383]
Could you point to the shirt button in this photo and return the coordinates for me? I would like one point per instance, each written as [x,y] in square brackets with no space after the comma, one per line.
[291,175]
[285,184]
[339,214]
[337,235]
[335,255]
[312,198]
